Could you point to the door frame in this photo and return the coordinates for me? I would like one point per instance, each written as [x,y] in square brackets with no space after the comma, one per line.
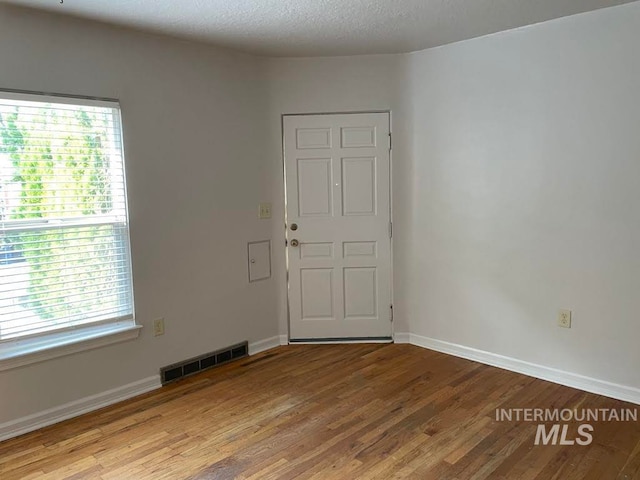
[286,257]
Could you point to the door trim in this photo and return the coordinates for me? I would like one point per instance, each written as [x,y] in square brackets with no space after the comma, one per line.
[284,237]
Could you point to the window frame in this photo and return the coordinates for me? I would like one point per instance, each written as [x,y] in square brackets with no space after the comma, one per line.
[20,351]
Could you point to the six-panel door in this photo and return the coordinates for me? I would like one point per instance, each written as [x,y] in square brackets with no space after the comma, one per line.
[337,192]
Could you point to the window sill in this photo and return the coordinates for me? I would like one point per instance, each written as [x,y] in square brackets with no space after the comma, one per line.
[33,350]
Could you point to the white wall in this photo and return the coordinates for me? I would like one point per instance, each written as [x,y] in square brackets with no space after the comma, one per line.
[193,128]
[340,84]
[526,194]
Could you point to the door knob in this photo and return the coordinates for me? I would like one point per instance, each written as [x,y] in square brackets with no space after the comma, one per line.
[294,226]
[294,243]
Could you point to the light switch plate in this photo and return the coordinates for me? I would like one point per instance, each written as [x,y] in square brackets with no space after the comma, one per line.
[264,211]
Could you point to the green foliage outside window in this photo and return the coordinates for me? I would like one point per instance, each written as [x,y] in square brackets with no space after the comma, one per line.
[61,166]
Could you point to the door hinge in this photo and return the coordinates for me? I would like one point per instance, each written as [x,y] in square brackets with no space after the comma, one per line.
[390,141]
[390,229]
[391,308]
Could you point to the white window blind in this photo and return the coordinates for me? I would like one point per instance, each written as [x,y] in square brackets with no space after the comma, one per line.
[64,234]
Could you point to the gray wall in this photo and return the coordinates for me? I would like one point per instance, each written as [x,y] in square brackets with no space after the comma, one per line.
[193,119]
[526,194]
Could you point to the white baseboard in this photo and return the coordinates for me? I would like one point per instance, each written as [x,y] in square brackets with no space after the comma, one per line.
[569,379]
[77,407]
[94,402]
[401,337]
[267,344]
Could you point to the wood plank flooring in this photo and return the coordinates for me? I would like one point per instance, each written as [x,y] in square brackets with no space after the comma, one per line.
[330,412]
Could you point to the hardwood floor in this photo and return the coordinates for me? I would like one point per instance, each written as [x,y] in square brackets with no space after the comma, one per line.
[330,412]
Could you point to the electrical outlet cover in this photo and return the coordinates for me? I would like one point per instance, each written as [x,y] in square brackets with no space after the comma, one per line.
[564,318]
[158,327]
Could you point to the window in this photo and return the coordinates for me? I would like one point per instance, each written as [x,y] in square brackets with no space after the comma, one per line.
[65,265]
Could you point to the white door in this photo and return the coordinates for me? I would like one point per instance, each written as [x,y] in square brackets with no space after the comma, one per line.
[337,173]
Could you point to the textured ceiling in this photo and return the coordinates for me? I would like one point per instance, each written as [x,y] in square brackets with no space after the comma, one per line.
[322,27]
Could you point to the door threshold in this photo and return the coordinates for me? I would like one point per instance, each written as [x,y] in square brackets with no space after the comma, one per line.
[325,341]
